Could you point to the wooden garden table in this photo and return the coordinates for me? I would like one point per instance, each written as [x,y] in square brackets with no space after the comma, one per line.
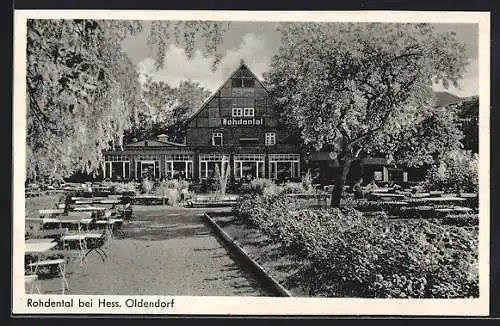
[43,240]
[50,211]
[438,200]
[89,209]
[38,247]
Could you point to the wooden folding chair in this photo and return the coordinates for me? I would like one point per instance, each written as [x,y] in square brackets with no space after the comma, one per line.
[61,265]
[94,242]
[31,282]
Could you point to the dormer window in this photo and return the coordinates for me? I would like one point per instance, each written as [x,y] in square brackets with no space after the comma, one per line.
[237,112]
[248,112]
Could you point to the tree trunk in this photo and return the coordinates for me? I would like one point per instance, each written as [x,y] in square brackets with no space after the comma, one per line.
[339,184]
[362,171]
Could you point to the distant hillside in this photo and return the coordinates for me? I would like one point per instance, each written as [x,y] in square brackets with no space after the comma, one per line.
[444,99]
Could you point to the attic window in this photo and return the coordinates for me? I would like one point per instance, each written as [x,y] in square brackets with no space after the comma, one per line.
[248,82]
[243,82]
[146,143]
[237,82]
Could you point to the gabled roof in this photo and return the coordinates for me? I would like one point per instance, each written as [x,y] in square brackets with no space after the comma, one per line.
[153,143]
[242,65]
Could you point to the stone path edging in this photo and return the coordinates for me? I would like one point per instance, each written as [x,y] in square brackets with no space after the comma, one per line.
[246,259]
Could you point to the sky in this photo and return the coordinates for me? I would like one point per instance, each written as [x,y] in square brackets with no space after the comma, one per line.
[256,43]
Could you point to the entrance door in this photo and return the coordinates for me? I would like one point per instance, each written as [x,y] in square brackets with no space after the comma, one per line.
[249,170]
[249,166]
[148,170]
[169,169]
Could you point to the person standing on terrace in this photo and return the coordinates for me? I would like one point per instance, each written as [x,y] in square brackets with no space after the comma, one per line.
[67,202]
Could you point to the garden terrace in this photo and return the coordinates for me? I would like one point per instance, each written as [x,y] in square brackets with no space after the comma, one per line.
[342,253]
[68,256]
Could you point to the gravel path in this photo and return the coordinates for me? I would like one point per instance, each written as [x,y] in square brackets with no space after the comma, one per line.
[166,251]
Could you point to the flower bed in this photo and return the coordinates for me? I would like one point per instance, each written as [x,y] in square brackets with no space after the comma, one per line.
[350,255]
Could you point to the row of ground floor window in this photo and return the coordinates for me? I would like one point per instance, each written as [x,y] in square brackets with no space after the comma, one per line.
[201,166]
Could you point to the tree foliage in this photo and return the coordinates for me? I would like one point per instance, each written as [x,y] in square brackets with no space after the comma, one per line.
[456,171]
[346,85]
[166,109]
[425,140]
[468,115]
[82,89]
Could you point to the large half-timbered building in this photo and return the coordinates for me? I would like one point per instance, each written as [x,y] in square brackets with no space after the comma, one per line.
[237,126]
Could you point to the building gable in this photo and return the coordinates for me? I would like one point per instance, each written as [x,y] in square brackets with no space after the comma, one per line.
[241,90]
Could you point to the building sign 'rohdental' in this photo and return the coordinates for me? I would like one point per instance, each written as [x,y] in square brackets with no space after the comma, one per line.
[243,122]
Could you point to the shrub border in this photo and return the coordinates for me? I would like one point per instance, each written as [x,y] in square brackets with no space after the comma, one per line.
[259,271]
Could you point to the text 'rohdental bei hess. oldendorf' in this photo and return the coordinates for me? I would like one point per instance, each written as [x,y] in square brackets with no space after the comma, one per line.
[99,303]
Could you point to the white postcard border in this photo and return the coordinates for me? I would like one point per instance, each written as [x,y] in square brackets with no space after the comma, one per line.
[256,305]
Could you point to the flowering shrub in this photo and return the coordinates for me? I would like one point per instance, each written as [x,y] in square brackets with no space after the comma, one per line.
[264,187]
[352,255]
[147,186]
[121,187]
[307,181]
[461,220]
[457,171]
[173,190]
[293,188]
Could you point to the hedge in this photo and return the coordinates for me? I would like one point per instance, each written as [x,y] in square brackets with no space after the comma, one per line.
[346,254]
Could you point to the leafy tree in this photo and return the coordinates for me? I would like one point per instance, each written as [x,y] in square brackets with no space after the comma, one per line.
[345,85]
[78,81]
[190,96]
[455,171]
[424,141]
[166,109]
[83,91]
[468,115]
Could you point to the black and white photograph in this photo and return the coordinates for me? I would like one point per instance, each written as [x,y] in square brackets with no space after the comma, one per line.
[318,158]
